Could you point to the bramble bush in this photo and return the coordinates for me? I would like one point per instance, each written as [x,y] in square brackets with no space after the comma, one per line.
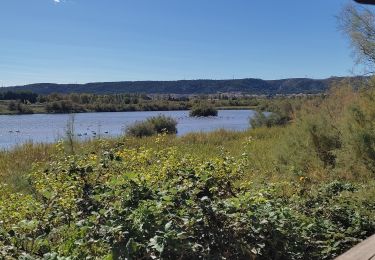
[159,203]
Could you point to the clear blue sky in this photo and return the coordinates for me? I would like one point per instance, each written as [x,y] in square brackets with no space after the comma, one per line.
[67,41]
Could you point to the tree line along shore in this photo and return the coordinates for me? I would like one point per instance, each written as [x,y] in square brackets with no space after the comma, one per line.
[29,103]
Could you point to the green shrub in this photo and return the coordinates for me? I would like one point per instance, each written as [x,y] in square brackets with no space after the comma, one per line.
[203,110]
[153,125]
[161,204]
[141,129]
[20,108]
[336,133]
[260,119]
[12,106]
[163,123]
[358,135]
[64,106]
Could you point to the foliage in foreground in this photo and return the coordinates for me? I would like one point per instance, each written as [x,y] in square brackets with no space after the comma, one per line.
[146,203]
[152,126]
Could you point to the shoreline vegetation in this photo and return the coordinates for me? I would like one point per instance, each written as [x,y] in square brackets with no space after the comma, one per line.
[18,103]
[308,170]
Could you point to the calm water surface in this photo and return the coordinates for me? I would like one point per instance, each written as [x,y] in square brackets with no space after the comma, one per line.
[18,129]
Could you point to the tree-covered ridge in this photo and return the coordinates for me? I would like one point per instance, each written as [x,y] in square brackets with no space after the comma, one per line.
[249,86]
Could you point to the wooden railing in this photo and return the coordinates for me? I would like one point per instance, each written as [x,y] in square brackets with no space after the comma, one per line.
[362,251]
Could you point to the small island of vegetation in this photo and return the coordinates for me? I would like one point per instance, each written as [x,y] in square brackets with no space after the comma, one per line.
[203,110]
[152,126]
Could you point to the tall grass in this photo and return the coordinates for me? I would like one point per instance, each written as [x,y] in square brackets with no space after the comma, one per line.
[69,133]
[15,164]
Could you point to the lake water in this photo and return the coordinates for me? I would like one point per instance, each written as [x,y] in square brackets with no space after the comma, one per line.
[18,129]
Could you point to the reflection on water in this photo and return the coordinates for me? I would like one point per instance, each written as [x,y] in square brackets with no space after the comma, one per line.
[18,129]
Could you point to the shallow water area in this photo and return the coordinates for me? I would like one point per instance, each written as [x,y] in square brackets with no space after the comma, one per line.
[19,129]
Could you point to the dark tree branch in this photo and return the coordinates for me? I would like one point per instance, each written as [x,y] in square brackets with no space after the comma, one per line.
[367,2]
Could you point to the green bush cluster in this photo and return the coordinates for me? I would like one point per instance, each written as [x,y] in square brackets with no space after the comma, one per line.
[20,108]
[153,125]
[161,204]
[203,110]
[260,119]
[336,133]
[64,106]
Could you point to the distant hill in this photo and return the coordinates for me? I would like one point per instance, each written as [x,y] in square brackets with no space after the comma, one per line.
[249,86]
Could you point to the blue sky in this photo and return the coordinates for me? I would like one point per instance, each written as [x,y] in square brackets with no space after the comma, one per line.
[68,41]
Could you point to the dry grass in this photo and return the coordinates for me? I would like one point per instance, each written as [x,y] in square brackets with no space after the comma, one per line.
[16,163]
